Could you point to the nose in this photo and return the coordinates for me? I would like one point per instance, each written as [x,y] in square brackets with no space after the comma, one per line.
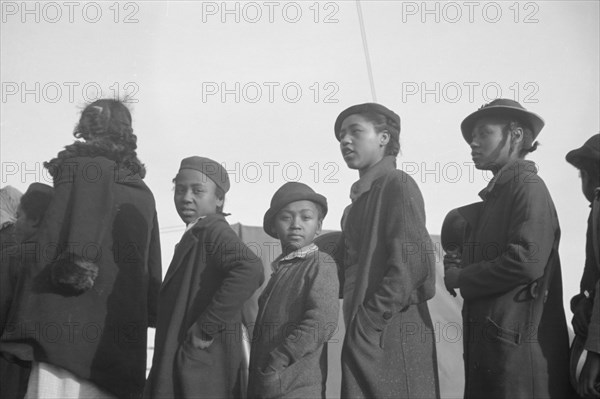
[295,223]
[187,197]
[344,139]
[474,143]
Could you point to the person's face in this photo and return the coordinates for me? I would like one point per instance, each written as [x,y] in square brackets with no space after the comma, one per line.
[195,195]
[587,185]
[361,146]
[25,227]
[490,148]
[296,225]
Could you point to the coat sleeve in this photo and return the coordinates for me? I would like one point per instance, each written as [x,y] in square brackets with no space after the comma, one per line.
[154,272]
[243,274]
[320,318]
[411,260]
[84,194]
[533,229]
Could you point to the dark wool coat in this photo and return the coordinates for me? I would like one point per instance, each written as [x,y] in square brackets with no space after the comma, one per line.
[515,334]
[210,277]
[389,274]
[298,314]
[102,217]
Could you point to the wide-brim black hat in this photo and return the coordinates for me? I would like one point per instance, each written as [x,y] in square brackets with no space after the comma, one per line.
[290,192]
[504,108]
[589,150]
[363,108]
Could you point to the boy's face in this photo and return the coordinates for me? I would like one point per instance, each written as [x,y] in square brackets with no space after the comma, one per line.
[25,227]
[361,146]
[296,225]
[195,195]
[490,147]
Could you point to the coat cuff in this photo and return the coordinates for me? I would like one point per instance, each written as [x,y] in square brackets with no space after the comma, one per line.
[72,274]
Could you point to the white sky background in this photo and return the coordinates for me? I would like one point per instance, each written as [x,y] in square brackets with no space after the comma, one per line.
[173,52]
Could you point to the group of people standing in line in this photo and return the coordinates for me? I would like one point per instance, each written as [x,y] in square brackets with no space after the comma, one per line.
[81,275]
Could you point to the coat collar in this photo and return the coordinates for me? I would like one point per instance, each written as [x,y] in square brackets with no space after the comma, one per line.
[188,241]
[301,253]
[519,169]
[381,168]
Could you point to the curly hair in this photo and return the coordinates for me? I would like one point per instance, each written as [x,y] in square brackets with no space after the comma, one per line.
[105,127]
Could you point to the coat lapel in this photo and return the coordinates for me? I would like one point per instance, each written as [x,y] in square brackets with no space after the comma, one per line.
[188,241]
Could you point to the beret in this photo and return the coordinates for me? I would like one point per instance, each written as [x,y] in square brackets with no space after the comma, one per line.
[363,108]
[212,169]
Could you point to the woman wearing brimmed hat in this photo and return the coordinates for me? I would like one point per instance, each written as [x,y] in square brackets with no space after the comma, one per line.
[388,267]
[586,305]
[515,334]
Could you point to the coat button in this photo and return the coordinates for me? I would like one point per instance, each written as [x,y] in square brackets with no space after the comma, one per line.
[387,315]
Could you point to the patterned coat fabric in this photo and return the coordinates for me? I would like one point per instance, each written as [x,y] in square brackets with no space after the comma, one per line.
[389,274]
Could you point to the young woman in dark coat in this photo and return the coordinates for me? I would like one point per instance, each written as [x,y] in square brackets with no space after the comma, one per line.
[83,309]
[514,327]
[388,268]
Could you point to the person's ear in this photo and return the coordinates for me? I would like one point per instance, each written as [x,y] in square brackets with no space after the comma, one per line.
[517,135]
[319,227]
[384,138]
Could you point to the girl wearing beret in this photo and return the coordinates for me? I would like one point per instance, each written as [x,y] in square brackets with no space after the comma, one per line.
[198,344]
[82,311]
[388,268]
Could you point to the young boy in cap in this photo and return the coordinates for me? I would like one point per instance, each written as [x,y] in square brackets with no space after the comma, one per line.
[198,345]
[586,305]
[514,328]
[388,267]
[299,307]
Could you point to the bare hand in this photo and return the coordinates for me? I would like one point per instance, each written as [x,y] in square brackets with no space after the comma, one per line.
[581,317]
[589,376]
[451,277]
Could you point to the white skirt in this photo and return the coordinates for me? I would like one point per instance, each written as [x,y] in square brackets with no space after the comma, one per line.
[47,381]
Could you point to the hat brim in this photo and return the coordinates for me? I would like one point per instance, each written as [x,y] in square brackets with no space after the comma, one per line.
[534,121]
[574,157]
[269,217]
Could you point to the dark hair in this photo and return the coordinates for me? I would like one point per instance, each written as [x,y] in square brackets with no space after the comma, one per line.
[527,145]
[382,123]
[106,127]
[35,203]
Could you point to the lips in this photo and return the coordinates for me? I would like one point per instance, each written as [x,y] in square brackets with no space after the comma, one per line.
[347,152]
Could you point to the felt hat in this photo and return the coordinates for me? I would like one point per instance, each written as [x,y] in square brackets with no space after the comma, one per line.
[504,108]
[456,223]
[362,108]
[589,150]
[290,192]
[212,169]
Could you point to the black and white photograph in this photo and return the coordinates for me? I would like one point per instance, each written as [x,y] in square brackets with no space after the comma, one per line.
[375,199]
